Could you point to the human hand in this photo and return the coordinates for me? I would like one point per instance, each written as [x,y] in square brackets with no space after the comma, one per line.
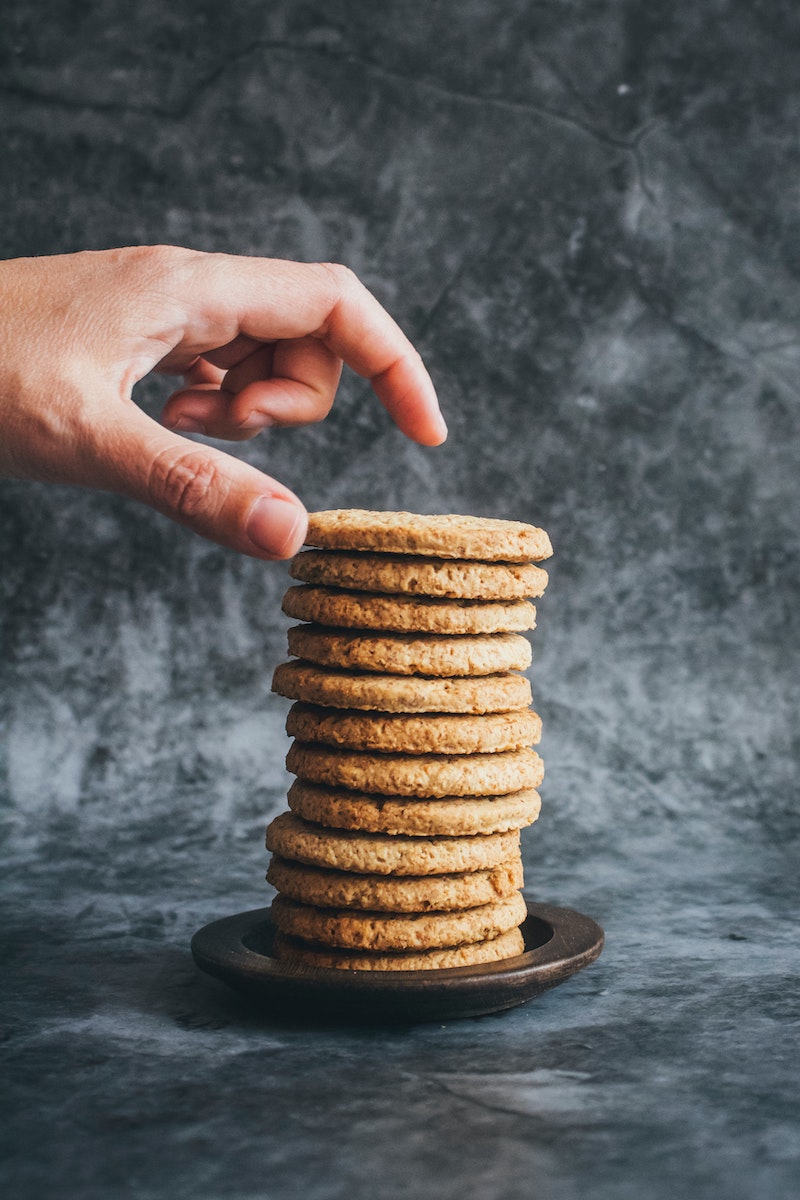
[258,342]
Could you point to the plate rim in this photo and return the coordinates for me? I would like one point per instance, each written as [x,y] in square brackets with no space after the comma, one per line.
[576,941]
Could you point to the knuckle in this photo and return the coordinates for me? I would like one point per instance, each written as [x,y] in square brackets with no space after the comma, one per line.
[158,261]
[344,277]
[155,256]
[188,486]
[160,253]
[341,287]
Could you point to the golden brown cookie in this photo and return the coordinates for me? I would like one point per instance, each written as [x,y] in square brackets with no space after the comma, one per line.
[448,816]
[406,614]
[505,945]
[381,893]
[427,734]
[402,574]
[401,693]
[410,653]
[381,854]
[397,931]
[421,775]
[439,536]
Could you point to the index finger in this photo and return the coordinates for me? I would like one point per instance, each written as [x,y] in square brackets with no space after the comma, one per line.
[271,299]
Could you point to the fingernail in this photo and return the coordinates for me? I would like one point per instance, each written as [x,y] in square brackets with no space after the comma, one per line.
[257,420]
[277,526]
[442,426]
[188,425]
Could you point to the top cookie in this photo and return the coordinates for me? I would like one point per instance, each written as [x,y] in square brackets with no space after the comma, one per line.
[442,536]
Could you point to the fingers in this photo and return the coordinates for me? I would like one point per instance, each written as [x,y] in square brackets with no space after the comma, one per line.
[204,409]
[215,495]
[290,383]
[230,299]
[370,342]
[202,372]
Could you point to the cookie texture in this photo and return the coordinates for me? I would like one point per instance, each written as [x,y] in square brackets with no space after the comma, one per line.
[457,578]
[443,535]
[398,693]
[420,775]
[381,854]
[397,931]
[406,614]
[427,893]
[411,653]
[505,945]
[451,816]
[430,733]
[413,752]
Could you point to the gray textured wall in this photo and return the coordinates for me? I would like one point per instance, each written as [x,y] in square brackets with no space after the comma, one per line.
[586,216]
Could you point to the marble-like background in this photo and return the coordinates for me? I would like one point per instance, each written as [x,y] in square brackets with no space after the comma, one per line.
[586,214]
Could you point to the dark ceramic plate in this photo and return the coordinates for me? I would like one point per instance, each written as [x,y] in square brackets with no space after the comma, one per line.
[558,942]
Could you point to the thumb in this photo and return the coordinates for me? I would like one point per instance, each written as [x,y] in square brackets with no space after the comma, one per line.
[214,494]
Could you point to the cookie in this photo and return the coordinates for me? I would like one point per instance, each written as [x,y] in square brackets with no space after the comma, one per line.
[406,614]
[428,734]
[422,775]
[449,816]
[410,653]
[403,574]
[505,945]
[397,931]
[440,536]
[400,693]
[381,854]
[415,893]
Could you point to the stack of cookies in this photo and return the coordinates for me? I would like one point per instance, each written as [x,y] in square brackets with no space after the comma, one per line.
[413,741]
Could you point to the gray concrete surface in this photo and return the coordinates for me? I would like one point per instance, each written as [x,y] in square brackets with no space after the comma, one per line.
[586,216]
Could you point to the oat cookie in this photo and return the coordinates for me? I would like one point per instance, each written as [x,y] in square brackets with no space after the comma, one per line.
[404,574]
[448,816]
[397,931]
[379,893]
[399,693]
[505,945]
[406,614]
[382,854]
[430,733]
[421,775]
[411,653]
[441,536]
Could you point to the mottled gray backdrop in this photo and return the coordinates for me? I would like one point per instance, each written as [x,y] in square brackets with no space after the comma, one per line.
[586,214]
